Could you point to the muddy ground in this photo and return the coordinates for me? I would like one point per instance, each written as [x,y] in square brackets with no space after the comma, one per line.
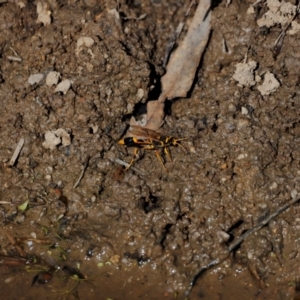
[144,234]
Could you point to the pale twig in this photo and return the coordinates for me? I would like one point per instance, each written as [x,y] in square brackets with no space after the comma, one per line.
[14,51]
[14,58]
[37,241]
[256,2]
[21,252]
[141,17]
[17,152]
[126,165]
[82,173]
[4,202]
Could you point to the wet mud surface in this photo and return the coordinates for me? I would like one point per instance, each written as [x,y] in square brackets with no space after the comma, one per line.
[145,234]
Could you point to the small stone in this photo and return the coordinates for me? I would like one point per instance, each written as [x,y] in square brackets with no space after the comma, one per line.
[273,186]
[8,279]
[49,170]
[84,41]
[295,28]
[294,194]
[269,85]
[44,13]
[48,177]
[244,110]
[241,156]
[52,78]
[231,107]
[140,94]
[51,140]
[244,73]
[223,236]
[36,78]
[250,10]
[65,136]
[64,86]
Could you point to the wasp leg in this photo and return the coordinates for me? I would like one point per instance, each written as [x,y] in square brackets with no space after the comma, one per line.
[167,153]
[160,159]
[136,151]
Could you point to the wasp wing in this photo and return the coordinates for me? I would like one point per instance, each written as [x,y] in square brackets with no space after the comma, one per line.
[144,132]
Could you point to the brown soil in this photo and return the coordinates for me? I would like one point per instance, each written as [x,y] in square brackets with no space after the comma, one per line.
[123,235]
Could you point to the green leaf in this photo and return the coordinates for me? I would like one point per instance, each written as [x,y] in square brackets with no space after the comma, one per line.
[23,206]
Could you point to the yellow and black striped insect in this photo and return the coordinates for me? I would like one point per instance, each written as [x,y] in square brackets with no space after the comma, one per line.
[144,138]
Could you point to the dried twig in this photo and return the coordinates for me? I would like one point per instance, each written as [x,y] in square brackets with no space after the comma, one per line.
[14,58]
[17,152]
[82,173]
[37,241]
[12,261]
[5,202]
[21,252]
[236,243]
[256,2]
[126,165]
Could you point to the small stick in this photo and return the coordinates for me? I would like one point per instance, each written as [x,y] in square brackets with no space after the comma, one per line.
[255,3]
[14,58]
[12,261]
[82,173]
[21,252]
[17,152]
[125,164]
[4,202]
[14,51]
[37,241]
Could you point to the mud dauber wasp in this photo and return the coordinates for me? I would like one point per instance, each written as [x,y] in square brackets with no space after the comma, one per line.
[144,138]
